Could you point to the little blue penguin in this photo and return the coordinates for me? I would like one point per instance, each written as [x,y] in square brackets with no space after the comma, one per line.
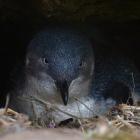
[65,69]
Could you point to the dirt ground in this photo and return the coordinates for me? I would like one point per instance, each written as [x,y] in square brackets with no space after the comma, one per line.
[121,123]
[59,134]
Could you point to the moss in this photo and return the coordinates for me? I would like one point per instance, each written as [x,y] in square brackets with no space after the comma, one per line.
[69,10]
[81,9]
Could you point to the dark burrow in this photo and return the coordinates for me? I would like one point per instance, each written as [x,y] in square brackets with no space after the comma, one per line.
[14,38]
[19,21]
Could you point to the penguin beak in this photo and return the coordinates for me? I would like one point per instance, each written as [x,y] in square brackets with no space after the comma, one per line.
[63,87]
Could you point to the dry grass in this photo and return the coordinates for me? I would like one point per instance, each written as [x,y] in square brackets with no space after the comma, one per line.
[121,122]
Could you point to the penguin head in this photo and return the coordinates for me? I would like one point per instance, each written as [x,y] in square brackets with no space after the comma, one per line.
[61,61]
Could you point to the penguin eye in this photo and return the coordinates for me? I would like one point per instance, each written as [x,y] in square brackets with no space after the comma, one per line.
[45,60]
[81,64]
